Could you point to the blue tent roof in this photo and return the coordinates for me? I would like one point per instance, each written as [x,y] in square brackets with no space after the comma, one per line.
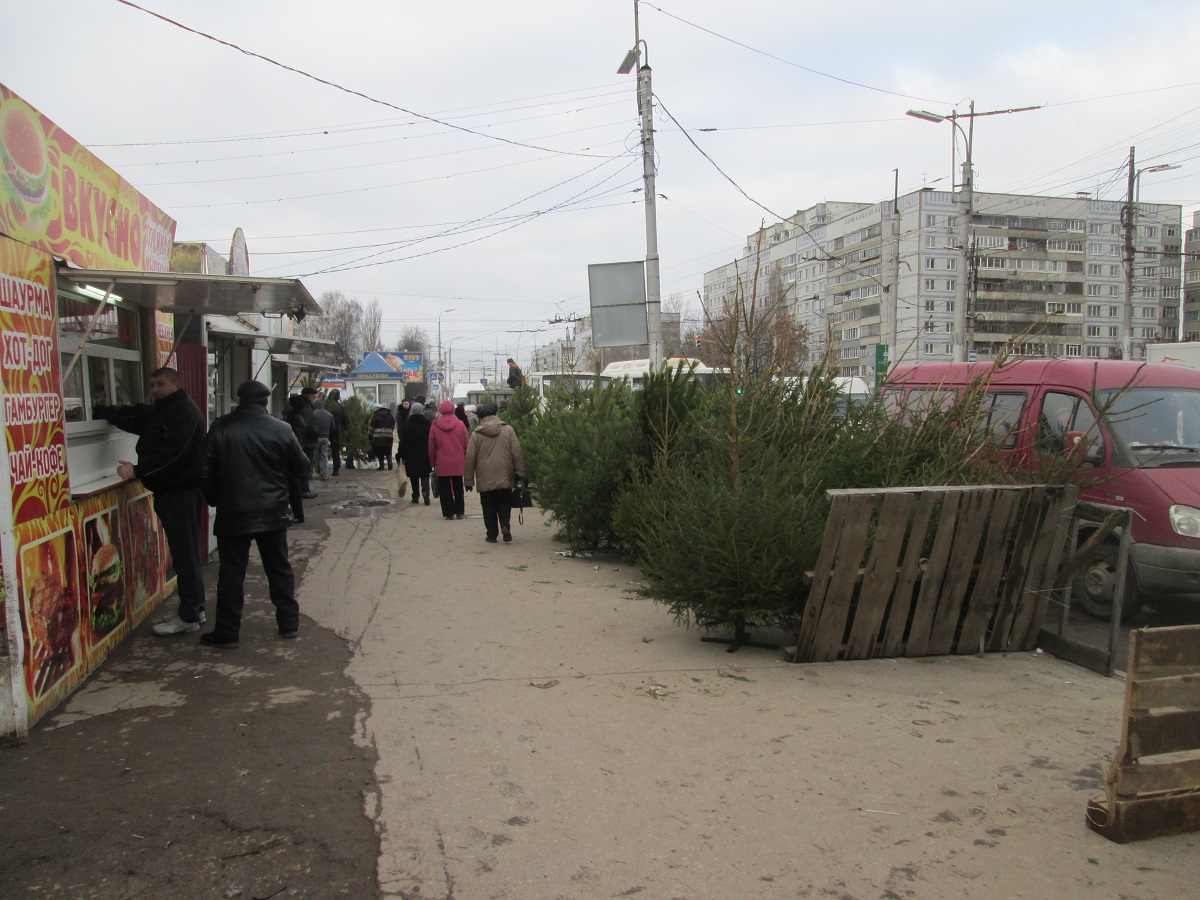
[373,364]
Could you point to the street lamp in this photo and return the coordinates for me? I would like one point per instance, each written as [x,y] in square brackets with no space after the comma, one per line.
[1129,220]
[965,200]
[645,98]
[441,370]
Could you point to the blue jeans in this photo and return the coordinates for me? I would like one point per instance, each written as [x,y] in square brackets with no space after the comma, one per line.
[179,512]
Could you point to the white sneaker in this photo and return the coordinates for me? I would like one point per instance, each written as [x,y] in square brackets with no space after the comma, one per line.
[175,625]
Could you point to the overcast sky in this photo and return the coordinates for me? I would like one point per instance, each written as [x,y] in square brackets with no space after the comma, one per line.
[476,156]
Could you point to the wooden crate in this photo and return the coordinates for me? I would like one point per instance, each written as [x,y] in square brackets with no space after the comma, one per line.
[1153,787]
[936,570]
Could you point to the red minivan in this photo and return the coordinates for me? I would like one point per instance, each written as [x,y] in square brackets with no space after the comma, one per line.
[1141,425]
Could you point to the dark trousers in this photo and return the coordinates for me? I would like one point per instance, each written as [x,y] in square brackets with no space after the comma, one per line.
[497,510]
[419,481]
[450,493]
[382,453]
[179,512]
[233,551]
[335,453]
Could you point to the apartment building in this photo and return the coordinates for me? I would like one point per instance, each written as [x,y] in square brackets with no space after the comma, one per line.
[1045,276]
[1191,275]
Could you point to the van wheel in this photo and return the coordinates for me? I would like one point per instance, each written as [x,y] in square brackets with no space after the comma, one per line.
[1093,585]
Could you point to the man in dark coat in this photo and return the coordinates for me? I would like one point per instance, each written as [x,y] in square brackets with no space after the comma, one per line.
[333,403]
[250,471]
[515,378]
[298,414]
[170,437]
[414,450]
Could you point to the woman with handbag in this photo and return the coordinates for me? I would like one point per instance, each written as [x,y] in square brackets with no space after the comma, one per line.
[447,453]
[414,450]
[494,463]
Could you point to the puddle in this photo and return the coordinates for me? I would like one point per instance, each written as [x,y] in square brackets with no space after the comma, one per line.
[359,505]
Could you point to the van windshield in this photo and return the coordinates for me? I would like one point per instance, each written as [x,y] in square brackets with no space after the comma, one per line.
[1159,426]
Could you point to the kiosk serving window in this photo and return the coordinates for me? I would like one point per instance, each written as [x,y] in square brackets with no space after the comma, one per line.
[108,371]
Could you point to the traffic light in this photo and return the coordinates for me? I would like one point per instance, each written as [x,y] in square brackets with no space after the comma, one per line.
[697,343]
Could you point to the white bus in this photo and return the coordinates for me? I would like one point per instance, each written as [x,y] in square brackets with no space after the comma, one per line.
[634,371]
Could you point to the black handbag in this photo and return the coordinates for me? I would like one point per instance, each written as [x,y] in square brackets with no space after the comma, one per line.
[521,500]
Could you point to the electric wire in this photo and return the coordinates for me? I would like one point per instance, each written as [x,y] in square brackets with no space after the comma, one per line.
[346,90]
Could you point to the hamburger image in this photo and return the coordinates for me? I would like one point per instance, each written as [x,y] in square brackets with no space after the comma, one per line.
[104,582]
[23,153]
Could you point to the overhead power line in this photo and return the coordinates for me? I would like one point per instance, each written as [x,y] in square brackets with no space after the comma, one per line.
[342,88]
[795,65]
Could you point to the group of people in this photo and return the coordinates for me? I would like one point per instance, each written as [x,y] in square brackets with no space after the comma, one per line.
[460,454]
[255,470]
[250,466]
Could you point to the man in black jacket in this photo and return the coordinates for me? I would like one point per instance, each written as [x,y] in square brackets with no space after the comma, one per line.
[170,437]
[250,471]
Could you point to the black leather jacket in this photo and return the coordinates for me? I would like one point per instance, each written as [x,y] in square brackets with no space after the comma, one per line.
[170,437]
[251,472]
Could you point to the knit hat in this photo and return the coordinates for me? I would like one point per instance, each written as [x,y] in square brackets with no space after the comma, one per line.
[254,392]
[416,409]
[446,408]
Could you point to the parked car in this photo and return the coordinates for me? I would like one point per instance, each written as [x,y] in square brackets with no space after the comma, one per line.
[1135,428]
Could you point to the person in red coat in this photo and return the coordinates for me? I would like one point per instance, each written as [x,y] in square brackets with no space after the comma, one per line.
[447,453]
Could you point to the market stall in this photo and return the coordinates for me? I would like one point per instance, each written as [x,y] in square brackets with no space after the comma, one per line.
[88,308]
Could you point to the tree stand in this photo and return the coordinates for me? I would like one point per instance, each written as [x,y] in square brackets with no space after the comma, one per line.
[740,639]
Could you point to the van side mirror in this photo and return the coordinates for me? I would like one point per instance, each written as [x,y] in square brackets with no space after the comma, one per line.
[1080,450]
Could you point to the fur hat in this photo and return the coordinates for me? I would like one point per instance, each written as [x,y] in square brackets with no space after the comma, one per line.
[416,409]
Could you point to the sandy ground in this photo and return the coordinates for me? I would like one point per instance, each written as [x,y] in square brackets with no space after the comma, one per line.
[542,731]
[463,720]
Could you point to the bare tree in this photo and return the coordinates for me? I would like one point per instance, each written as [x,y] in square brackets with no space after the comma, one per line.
[372,326]
[413,339]
[341,321]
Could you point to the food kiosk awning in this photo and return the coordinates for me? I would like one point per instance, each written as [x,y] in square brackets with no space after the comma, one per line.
[227,326]
[312,353]
[184,293]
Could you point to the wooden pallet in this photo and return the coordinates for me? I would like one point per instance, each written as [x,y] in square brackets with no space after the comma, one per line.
[936,570]
[1153,787]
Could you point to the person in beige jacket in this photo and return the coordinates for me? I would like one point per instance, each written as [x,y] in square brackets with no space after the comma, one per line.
[495,464]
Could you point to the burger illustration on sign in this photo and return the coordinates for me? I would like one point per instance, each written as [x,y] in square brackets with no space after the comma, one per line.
[105,583]
[25,160]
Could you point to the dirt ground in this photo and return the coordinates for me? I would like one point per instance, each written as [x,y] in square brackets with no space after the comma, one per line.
[467,720]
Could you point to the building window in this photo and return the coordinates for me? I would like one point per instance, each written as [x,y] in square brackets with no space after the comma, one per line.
[931,262]
[930,305]
[1113,312]
[1114,290]
[1074,350]
[952,263]
[931,285]
[1093,290]
[931,242]
[1093,311]
[1113,331]
[1094,268]
[1093,331]
[950,285]
[950,303]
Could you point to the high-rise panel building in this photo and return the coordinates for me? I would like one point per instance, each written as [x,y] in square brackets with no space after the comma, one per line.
[1045,276]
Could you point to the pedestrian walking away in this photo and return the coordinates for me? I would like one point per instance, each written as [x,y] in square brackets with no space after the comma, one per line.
[333,403]
[382,428]
[298,414]
[447,453]
[414,451]
[170,440]
[325,427]
[251,472]
[495,465]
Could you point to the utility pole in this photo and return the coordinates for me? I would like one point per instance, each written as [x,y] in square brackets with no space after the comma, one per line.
[645,97]
[966,203]
[1127,219]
